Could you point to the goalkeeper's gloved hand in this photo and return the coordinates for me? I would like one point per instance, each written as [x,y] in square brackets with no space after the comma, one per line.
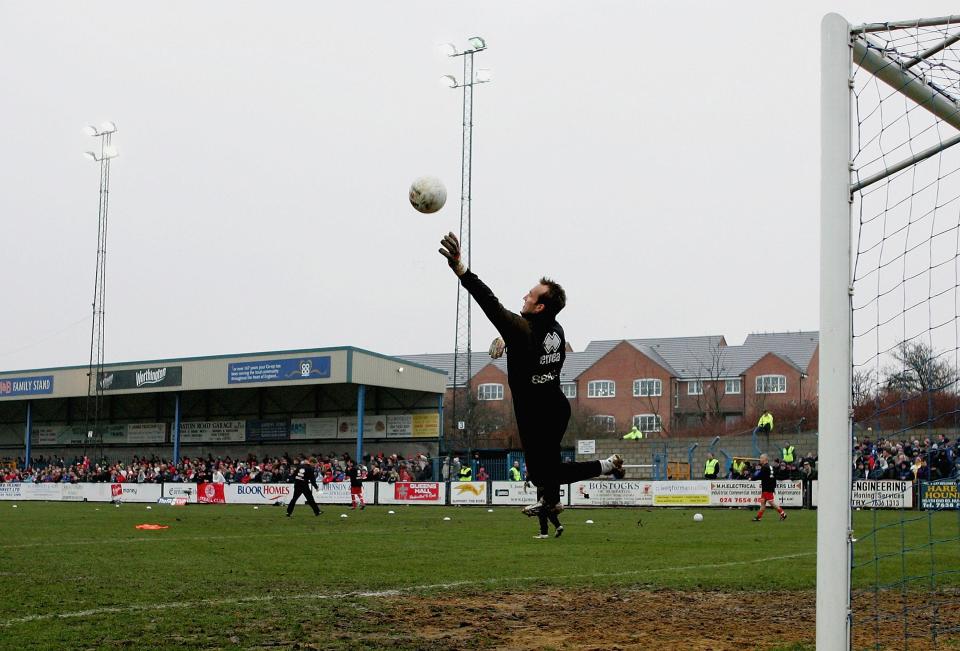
[451,251]
[497,347]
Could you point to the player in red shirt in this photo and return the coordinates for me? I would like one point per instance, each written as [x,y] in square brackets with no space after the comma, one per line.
[356,486]
[768,488]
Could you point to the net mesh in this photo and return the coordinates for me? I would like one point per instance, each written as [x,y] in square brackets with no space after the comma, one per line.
[906,338]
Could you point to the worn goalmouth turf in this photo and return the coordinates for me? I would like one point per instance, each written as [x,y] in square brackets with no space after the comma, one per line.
[81,576]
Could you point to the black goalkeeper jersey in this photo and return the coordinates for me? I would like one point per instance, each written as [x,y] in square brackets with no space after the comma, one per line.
[536,347]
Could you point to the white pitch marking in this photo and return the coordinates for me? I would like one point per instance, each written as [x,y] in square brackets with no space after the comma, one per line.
[359,593]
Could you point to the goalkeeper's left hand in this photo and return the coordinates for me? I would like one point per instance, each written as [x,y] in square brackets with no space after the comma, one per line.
[451,251]
[497,346]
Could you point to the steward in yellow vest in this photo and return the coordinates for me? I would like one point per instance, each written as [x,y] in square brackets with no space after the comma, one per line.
[765,424]
[711,469]
[787,453]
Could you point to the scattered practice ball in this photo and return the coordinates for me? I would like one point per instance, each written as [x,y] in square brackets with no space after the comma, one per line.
[343,515]
[149,507]
[489,510]
[427,194]
[589,522]
[255,508]
[446,519]
[390,512]
[698,517]
[14,506]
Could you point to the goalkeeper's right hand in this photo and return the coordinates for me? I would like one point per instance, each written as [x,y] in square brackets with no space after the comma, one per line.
[451,251]
[497,346]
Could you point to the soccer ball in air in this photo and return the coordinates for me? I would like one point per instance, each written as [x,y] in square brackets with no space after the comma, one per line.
[427,194]
[698,517]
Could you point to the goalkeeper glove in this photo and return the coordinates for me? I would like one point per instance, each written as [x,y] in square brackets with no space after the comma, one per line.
[451,251]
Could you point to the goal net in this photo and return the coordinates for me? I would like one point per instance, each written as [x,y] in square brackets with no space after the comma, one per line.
[888,556]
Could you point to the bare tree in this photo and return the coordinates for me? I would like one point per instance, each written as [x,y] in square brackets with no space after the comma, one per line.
[713,373]
[864,387]
[920,369]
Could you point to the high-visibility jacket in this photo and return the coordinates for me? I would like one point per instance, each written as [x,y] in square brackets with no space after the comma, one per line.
[766,419]
[711,468]
[739,465]
[787,454]
[515,474]
[633,434]
[465,473]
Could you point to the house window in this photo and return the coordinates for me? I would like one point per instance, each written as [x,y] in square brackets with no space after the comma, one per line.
[733,386]
[647,422]
[490,392]
[771,384]
[694,388]
[569,389]
[647,387]
[601,389]
[607,423]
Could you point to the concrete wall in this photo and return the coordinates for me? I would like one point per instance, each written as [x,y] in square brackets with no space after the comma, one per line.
[643,452]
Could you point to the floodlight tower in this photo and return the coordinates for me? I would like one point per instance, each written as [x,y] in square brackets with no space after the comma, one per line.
[461,355]
[95,369]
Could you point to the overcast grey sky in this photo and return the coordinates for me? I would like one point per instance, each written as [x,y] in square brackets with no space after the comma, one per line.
[660,160]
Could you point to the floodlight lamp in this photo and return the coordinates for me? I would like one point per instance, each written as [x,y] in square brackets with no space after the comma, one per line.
[477,43]
[110,152]
[482,75]
[448,49]
[107,127]
[91,130]
[449,81]
[92,156]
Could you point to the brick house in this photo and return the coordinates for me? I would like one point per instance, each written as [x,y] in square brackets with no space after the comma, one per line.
[661,384]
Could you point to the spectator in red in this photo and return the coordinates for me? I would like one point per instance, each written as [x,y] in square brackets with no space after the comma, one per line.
[482,474]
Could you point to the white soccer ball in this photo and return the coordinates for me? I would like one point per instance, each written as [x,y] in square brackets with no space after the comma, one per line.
[446,519]
[391,512]
[343,515]
[255,508]
[698,517]
[14,506]
[589,522]
[149,507]
[428,194]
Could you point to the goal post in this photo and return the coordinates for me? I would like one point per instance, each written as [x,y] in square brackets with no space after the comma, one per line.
[834,450]
[889,325]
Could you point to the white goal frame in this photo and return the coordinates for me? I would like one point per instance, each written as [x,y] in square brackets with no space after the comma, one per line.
[843,46]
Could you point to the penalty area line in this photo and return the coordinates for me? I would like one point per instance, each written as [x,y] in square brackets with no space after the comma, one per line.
[236,601]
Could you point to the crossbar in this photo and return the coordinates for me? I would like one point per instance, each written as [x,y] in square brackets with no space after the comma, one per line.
[906,24]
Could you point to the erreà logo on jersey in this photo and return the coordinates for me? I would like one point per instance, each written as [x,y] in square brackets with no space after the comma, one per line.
[151,376]
[551,345]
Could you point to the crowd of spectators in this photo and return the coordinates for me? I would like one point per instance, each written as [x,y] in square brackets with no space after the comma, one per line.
[268,470]
[885,458]
[909,459]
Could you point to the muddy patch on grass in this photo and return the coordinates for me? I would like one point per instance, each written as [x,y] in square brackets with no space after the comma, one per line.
[553,618]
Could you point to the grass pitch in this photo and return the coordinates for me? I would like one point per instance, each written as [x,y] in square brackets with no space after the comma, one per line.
[79,575]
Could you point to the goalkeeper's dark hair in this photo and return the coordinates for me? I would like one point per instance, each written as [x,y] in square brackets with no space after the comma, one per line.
[554,299]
